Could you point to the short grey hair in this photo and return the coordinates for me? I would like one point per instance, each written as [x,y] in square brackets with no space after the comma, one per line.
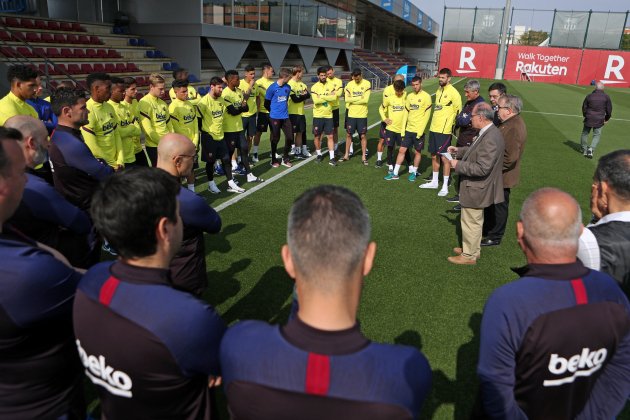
[484,110]
[542,231]
[600,85]
[513,102]
[472,85]
[328,231]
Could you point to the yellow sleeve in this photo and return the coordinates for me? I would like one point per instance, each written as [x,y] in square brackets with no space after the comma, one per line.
[120,155]
[404,121]
[348,97]
[146,121]
[457,102]
[425,118]
[382,110]
[88,131]
[339,91]
[365,98]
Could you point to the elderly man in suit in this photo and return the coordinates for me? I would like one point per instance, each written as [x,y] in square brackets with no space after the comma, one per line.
[479,167]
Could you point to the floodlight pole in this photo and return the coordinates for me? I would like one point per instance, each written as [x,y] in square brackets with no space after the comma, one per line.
[504,38]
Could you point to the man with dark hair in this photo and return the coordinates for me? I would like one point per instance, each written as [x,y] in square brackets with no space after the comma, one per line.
[77,171]
[169,359]
[495,91]
[43,108]
[448,103]
[417,114]
[184,121]
[101,132]
[128,128]
[277,102]
[299,94]
[605,244]
[320,365]
[23,81]
[250,92]
[262,120]
[41,375]
[131,104]
[192,96]
[555,344]
[357,97]
[188,267]
[393,113]
[337,90]
[323,94]
[466,132]
[235,105]
[597,110]
[479,167]
[388,92]
[514,134]
[213,144]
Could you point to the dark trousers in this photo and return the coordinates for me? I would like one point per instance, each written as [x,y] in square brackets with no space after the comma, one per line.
[495,218]
[285,126]
[141,159]
[152,154]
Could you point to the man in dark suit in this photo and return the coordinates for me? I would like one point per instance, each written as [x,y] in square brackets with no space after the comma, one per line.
[479,167]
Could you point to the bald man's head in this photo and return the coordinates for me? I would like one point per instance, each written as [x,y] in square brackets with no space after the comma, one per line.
[176,154]
[551,223]
[35,138]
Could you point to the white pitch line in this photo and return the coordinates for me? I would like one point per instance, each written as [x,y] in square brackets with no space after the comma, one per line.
[568,115]
[276,177]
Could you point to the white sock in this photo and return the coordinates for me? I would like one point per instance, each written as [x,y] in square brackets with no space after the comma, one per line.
[435,177]
[445,184]
[379,155]
[331,153]
[319,152]
[191,187]
[304,148]
[234,165]
[412,169]
[255,149]
[351,148]
[396,169]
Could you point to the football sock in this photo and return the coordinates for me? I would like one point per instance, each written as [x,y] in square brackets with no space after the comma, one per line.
[379,155]
[331,153]
[396,169]
[435,177]
[445,184]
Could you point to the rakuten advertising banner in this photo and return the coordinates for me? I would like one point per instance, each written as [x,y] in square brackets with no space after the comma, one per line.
[611,67]
[543,64]
[470,60]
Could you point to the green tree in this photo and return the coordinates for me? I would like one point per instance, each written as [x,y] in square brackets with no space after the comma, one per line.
[625,42]
[532,37]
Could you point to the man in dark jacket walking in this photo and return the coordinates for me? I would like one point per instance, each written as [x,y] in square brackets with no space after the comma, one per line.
[597,110]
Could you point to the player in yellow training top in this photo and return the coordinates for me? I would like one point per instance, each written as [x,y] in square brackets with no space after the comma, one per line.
[299,94]
[101,133]
[127,130]
[323,93]
[131,103]
[262,120]
[154,117]
[337,89]
[417,113]
[387,92]
[191,92]
[357,96]
[184,121]
[393,112]
[448,103]
[250,92]
[23,81]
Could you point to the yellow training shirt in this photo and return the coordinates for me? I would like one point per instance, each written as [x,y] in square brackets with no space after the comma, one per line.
[357,96]
[184,119]
[323,94]
[262,86]
[297,88]
[251,100]
[128,129]
[211,111]
[393,107]
[448,103]
[134,110]
[418,112]
[193,96]
[337,89]
[232,123]
[11,106]
[101,134]
[154,119]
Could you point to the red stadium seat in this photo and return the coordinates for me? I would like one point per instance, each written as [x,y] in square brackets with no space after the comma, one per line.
[62,68]
[76,27]
[101,53]
[12,22]
[72,39]
[83,39]
[33,37]
[131,67]
[17,36]
[53,25]
[113,54]
[99,68]
[42,69]
[87,68]
[66,53]
[41,24]
[110,68]
[65,26]
[139,95]
[28,23]
[74,69]
[53,53]
[39,52]
[121,68]
[46,37]
[60,38]
[7,51]
[5,36]
[24,51]
[79,53]
[90,53]
[94,40]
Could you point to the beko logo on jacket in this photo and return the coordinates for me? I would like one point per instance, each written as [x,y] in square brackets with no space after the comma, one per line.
[583,364]
[96,368]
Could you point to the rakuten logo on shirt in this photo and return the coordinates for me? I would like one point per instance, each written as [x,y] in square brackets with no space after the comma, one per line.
[583,364]
[115,381]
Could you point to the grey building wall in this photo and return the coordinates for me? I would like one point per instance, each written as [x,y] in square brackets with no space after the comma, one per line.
[166,12]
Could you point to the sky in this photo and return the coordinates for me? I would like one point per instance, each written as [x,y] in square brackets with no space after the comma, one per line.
[435,8]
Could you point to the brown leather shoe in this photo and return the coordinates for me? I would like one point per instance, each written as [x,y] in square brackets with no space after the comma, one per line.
[461,260]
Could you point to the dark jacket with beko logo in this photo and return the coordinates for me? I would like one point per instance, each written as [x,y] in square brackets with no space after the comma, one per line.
[555,344]
[147,347]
